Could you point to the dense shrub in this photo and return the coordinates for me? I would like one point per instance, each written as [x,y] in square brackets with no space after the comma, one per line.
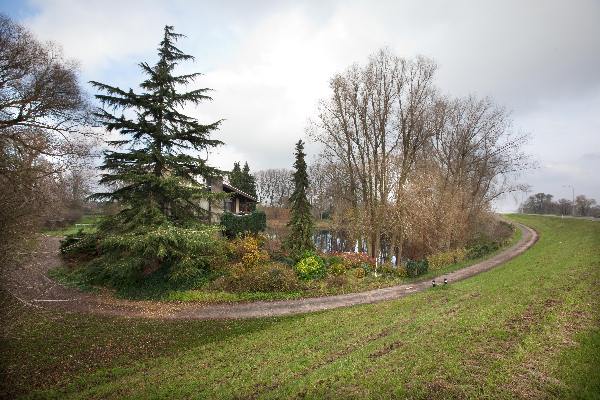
[392,271]
[481,249]
[310,266]
[416,267]
[184,253]
[273,277]
[332,259]
[360,273]
[247,251]
[235,225]
[401,271]
[445,258]
[79,243]
[283,258]
[337,269]
[336,281]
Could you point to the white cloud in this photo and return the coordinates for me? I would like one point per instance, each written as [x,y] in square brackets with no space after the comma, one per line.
[100,34]
[270,62]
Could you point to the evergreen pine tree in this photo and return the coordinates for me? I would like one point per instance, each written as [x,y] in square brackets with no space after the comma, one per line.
[248,181]
[242,179]
[154,169]
[235,176]
[300,238]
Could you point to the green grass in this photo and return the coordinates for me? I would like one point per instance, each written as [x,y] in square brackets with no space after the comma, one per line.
[85,223]
[159,288]
[526,329]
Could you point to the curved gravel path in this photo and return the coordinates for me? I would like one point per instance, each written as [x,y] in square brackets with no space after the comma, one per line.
[29,284]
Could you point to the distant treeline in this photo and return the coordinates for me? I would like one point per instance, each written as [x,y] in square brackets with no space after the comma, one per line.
[543,203]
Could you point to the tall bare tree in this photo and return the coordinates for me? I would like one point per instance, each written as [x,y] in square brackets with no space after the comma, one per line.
[583,205]
[43,127]
[386,130]
[274,186]
[373,126]
[477,149]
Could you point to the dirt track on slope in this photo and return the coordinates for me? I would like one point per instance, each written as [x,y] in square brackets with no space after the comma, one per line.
[30,284]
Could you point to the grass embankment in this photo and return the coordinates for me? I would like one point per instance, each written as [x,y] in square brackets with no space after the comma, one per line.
[527,329]
[159,288]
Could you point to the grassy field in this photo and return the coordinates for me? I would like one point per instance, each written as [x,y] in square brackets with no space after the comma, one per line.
[527,329]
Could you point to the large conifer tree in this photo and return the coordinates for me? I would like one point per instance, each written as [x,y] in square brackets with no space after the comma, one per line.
[235,176]
[155,166]
[248,182]
[242,179]
[301,222]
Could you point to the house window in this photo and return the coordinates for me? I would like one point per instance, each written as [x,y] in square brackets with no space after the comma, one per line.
[229,205]
[244,206]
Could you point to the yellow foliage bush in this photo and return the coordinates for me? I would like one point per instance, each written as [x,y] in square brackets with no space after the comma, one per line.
[337,269]
[401,272]
[445,258]
[248,251]
[359,273]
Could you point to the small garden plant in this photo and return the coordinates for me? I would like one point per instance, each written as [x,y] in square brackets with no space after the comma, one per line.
[310,266]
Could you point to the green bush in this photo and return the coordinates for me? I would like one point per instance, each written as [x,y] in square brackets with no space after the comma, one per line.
[273,277]
[235,225]
[401,271]
[332,260]
[416,267]
[248,251]
[282,258]
[79,243]
[481,249]
[184,254]
[390,270]
[311,266]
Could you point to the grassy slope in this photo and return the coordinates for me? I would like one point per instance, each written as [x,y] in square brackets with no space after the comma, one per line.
[527,329]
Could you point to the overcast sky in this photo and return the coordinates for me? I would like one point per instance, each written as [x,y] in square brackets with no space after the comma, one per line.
[269,63]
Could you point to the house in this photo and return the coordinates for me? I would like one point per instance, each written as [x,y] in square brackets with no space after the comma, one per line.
[238,202]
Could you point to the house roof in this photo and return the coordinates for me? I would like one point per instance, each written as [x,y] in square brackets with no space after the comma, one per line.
[228,187]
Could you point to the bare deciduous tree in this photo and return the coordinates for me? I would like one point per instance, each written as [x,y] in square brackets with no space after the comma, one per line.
[43,120]
[477,150]
[565,207]
[583,205]
[387,131]
[274,186]
[373,127]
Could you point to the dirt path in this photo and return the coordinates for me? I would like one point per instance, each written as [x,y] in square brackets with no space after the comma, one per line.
[29,284]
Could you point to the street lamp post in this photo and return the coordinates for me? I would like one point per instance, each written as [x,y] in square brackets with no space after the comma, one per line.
[573,198]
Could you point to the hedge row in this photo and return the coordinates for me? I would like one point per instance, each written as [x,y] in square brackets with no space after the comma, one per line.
[234,225]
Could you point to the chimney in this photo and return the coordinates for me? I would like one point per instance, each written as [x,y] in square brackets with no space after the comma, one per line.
[215,183]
